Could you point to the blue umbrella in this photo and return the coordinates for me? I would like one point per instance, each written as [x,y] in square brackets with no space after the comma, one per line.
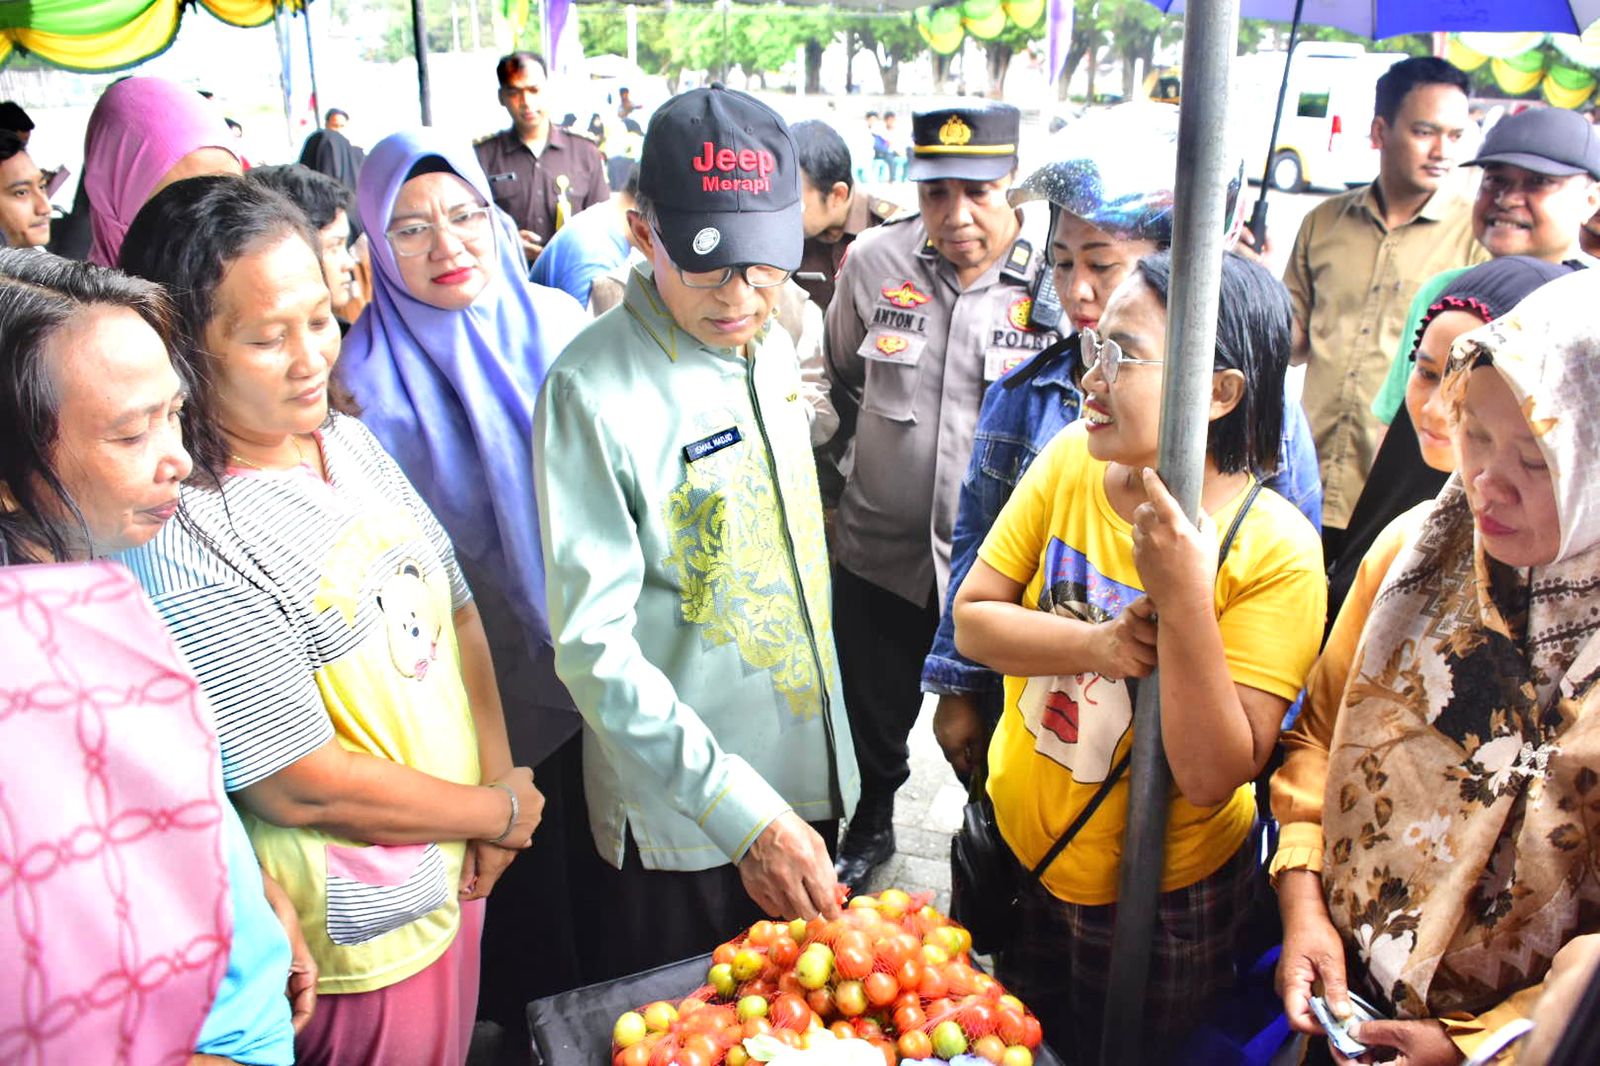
[1389,18]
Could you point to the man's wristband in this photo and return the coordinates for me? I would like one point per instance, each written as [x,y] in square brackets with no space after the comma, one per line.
[516,809]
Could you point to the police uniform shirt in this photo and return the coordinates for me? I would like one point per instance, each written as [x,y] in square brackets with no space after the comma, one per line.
[909,354]
[528,187]
[819,263]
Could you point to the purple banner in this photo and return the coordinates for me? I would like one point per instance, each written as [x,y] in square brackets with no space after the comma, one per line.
[1058,31]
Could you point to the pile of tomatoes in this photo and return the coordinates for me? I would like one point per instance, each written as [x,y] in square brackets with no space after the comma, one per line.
[891,971]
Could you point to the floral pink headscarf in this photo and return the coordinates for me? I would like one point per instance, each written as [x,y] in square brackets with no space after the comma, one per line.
[140,128]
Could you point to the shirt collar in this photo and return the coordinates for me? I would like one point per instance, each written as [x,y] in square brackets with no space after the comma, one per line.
[643,303]
[860,216]
[1439,206]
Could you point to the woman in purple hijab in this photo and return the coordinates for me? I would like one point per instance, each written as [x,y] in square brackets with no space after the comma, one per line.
[445,365]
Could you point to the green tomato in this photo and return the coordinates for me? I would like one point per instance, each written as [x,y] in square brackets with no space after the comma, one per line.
[752,1007]
[747,964]
[629,1030]
[948,1040]
[722,981]
[814,966]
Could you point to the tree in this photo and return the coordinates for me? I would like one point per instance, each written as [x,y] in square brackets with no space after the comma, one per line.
[998,52]
[1088,34]
[603,29]
[1135,29]
[893,39]
[445,22]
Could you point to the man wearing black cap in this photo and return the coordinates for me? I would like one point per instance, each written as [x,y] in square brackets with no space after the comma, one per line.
[927,311]
[1540,174]
[686,572]
[1539,194]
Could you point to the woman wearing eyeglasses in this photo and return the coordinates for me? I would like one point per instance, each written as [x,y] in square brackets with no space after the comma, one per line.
[319,602]
[445,364]
[1090,578]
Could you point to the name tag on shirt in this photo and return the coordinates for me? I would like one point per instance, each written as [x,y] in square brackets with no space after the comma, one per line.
[998,362]
[722,438]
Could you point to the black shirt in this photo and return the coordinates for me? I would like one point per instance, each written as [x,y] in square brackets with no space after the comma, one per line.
[527,187]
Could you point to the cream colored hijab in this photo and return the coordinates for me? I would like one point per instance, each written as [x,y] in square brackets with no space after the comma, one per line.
[1462,814]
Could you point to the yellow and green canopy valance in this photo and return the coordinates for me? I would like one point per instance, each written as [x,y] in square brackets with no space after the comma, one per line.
[94,35]
[1520,63]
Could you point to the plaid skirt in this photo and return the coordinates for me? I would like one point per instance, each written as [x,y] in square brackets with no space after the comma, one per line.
[1060,959]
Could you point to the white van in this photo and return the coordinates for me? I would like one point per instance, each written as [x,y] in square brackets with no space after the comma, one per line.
[1325,138]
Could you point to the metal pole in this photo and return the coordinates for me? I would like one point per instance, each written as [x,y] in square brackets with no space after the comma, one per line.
[1210,36]
[419,42]
[311,62]
[1258,214]
[633,33]
[285,70]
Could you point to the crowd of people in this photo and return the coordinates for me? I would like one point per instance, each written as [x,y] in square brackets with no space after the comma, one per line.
[434,578]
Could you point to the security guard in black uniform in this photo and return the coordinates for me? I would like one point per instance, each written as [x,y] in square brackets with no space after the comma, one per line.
[539,173]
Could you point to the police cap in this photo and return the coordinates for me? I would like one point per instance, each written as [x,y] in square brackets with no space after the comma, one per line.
[976,142]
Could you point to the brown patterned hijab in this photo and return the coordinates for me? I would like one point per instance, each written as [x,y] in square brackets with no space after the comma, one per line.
[1462,814]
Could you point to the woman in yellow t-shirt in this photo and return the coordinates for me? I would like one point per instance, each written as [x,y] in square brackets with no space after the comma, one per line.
[1064,600]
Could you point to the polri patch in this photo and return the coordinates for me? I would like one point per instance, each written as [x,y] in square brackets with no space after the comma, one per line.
[722,438]
[906,295]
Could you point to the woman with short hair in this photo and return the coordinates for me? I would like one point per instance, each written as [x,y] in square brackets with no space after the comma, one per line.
[1090,578]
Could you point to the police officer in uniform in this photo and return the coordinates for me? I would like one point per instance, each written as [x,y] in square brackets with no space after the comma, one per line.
[539,173]
[927,311]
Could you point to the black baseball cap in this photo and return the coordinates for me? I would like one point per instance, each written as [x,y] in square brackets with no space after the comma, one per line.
[1545,140]
[972,143]
[721,172]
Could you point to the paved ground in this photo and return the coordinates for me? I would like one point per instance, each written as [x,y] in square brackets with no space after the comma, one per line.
[927,812]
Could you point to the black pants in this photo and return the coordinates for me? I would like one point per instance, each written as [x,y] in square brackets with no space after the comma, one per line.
[647,918]
[882,642]
[531,944]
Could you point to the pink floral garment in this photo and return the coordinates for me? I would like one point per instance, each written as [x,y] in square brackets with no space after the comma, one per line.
[1462,813]
[115,919]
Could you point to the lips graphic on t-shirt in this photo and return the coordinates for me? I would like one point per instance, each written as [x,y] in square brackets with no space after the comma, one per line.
[1061,716]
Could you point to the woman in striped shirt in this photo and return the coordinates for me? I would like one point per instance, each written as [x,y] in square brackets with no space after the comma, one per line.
[321,605]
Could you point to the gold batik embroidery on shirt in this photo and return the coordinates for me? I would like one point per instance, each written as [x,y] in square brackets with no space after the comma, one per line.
[732,560]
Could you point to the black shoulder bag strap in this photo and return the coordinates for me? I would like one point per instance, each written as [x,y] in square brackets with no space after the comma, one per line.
[1122,764]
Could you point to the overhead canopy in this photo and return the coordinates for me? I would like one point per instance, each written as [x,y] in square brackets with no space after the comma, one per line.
[96,35]
[892,7]
[1387,18]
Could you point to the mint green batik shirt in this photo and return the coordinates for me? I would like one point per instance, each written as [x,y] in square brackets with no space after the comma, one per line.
[688,587]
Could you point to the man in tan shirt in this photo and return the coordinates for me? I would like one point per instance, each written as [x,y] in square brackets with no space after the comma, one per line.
[1359,259]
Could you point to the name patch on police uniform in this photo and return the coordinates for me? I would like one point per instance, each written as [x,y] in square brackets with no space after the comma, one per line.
[722,438]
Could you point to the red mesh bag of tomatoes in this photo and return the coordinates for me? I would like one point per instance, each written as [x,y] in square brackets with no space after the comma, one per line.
[891,970]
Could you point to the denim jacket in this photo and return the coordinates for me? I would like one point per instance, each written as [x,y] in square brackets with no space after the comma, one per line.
[1021,413]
